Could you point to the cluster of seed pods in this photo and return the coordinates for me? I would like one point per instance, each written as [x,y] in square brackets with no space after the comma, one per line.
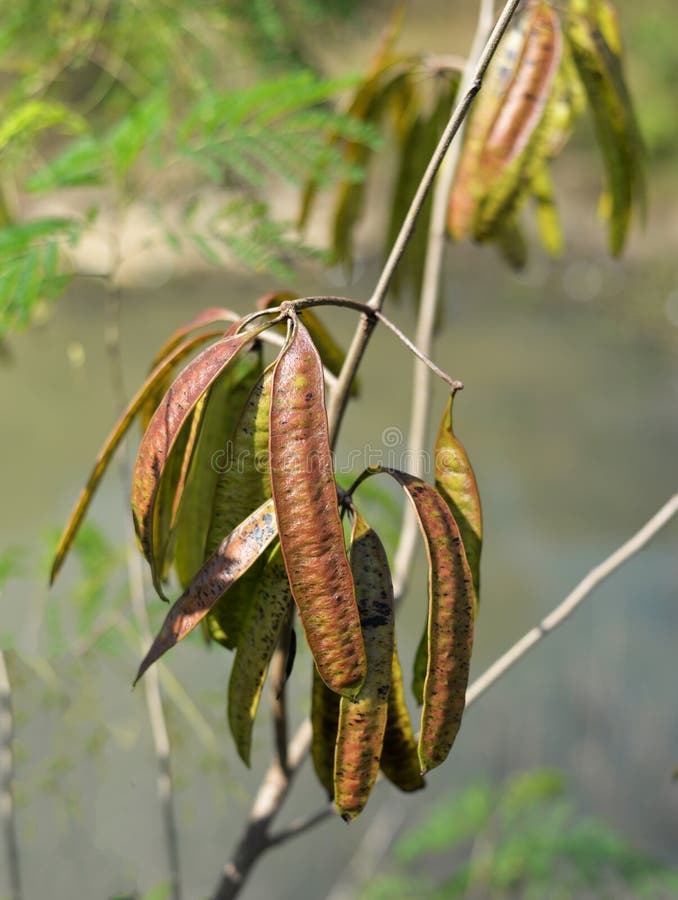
[255,533]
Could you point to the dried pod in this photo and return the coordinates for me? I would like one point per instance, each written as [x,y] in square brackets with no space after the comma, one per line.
[399,760]
[269,610]
[311,533]
[230,561]
[362,721]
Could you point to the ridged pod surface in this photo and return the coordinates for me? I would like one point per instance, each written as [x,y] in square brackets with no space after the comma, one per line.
[311,533]
[450,621]
[232,559]
[269,610]
[509,110]
[399,760]
[362,721]
[134,407]
[167,421]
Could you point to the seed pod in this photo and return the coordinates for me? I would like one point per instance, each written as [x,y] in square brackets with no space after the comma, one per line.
[311,534]
[450,621]
[456,481]
[156,446]
[223,406]
[499,146]
[594,41]
[269,610]
[233,557]
[399,761]
[113,442]
[362,721]
[325,722]
[243,485]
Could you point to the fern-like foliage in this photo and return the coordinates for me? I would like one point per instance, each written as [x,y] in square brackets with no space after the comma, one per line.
[31,268]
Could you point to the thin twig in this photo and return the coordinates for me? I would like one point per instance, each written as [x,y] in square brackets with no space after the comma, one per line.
[428,307]
[565,609]
[423,358]
[363,333]
[7,807]
[271,795]
[135,574]
[300,825]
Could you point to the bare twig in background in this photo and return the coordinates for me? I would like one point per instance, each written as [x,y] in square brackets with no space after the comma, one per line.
[7,808]
[271,795]
[428,306]
[364,864]
[135,574]
[565,609]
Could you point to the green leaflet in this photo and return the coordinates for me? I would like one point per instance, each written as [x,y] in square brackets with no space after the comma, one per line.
[243,483]
[270,608]
[311,533]
[362,720]
[223,406]
[594,41]
[119,431]
[399,761]
[234,556]
[511,243]
[324,722]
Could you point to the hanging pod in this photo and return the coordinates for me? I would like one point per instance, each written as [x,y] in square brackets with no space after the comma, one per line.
[243,484]
[362,720]
[161,435]
[268,612]
[311,533]
[399,760]
[236,553]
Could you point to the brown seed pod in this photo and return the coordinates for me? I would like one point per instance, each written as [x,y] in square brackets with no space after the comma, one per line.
[234,556]
[170,416]
[450,621]
[362,721]
[311,533]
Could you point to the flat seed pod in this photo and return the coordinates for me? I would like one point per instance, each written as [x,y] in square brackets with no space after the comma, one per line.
[223,405]
[594,42]
[242,485]
[324,722]
[548,220]
[399,760]
[157,443]
[232,559]
[362,721]
[508,111]
[311,533]
[114,439]
[456,482]
[269,610]
[208,317]
[450,621]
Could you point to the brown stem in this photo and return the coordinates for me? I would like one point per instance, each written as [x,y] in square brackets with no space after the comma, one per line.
[7,806]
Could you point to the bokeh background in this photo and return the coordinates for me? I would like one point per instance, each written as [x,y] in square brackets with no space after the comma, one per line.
[568,412]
